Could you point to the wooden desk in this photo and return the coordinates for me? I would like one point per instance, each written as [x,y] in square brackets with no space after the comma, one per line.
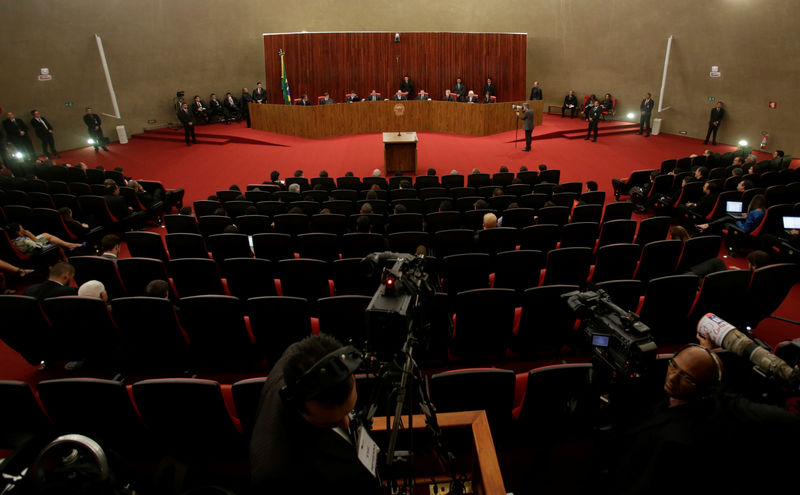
[400,152]
[385,116]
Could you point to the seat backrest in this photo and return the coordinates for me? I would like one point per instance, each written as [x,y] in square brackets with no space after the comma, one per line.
[216,329]
[195,276]
[184,245]
[484,321]
[82,329]
[493,392]
[559,401]
[25,329]
[249,277]
[302,277]
[21,418]
[518,269]
[278,322]
[247,397]
[146,245]
[152,334]
[568,266]
[343,317]
[667,301]
[136,273]
[616,261]
[698,249]
[653,229]
[659,259]
[99,268]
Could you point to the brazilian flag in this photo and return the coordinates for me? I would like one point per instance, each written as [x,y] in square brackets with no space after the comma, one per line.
[287,95]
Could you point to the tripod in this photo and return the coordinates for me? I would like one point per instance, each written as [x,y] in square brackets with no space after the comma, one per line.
[410,382]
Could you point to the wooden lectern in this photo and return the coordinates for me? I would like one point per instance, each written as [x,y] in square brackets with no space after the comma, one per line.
[400,152]
[485,470]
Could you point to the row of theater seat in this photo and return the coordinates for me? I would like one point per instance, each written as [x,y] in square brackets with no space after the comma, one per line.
[213,331]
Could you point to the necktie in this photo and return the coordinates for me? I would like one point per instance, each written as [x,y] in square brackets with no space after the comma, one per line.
[42,122]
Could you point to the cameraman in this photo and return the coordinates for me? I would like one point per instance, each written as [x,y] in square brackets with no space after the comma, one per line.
[705,437]
[301,441]
[525,114]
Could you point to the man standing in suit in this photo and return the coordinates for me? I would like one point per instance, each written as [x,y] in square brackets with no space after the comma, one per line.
[17,132]
[646,108]
[92,121]
[571,102]
[187,119]
[593,116]
[259,94]
[713,123]
[247,98]
[407,87]
[44,131]
[459,89]
[526,116]
[489,87]
[536,91]
[399,96]
[57,283]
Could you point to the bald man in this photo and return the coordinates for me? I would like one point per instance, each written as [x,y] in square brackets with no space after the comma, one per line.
[701,436]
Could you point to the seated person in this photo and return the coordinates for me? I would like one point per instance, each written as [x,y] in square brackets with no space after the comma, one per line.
[755,214]
[57,283]
[422,95]
[77,228]
[472,97]
[216,110]
[373,96]
[8,267]
[28,244]
[147,199]
[157,288]
[353,97]
[487,98]
[608,103]
[303,101]
[571,104]
[116,203]
[448,96]
[489,87]
[589,103]
[326,100]
[95,289]
[232,106]
[704,205]
[399,96]
[199,110]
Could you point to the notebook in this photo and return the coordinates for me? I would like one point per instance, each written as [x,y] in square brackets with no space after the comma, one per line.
[790,224]
[734,209]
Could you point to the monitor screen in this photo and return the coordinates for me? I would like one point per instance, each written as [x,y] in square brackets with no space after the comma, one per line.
[734,207]
[600,340]
[791,223]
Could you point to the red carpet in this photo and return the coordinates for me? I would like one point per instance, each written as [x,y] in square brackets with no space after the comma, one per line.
[236,155]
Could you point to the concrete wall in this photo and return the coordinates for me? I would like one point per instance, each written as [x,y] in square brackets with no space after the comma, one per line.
[155,47]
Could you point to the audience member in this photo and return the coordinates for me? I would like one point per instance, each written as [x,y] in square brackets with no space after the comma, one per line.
[157,288]
[95,289]
[57,283]
[110,246]
[28,244]
[571,103]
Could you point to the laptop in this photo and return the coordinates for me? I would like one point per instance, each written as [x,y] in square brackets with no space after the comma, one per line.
[790,224]
[734,209]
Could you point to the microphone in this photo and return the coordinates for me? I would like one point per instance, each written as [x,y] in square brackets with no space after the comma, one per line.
[729,337]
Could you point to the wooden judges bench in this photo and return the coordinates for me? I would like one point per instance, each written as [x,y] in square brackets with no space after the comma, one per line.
[321,121]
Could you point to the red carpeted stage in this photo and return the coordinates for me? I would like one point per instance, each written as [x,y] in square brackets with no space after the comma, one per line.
[234,154]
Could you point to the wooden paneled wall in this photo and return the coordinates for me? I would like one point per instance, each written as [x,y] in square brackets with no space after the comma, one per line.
[384,116]
[362,61]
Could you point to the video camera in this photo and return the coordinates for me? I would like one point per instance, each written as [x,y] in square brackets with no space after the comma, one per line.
[516,108]
[404,288]
[618,339]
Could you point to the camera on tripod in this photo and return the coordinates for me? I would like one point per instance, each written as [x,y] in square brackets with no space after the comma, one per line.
[393,313]
[619,341]
[516,108]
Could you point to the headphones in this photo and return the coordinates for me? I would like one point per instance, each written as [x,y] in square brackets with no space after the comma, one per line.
[332,369]
[714,357]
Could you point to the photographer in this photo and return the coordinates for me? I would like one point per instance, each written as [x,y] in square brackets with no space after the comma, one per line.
[525,114]
[301,440]
[703,435]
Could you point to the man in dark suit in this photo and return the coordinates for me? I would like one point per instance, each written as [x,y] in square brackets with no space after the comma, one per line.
[303,101]
[215,108]
[353,97]
[246,99]
[459,89]
[326,100]
[571,102]
[422,95]
[44,131]
[407,87]
[526,116]
[646,107]
[472,97]
[374,96]
[17,132]
[449,96]
[116,203]
[57,283]
[110,245]
[399,96]
[593,116]
[489,87]
[536,91]
[200,110]
[259,94]
[92,121]
[713,123]
[302,429]
[187,119]
[231,107]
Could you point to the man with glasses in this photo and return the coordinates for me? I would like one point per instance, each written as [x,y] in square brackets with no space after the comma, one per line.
[704,435]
